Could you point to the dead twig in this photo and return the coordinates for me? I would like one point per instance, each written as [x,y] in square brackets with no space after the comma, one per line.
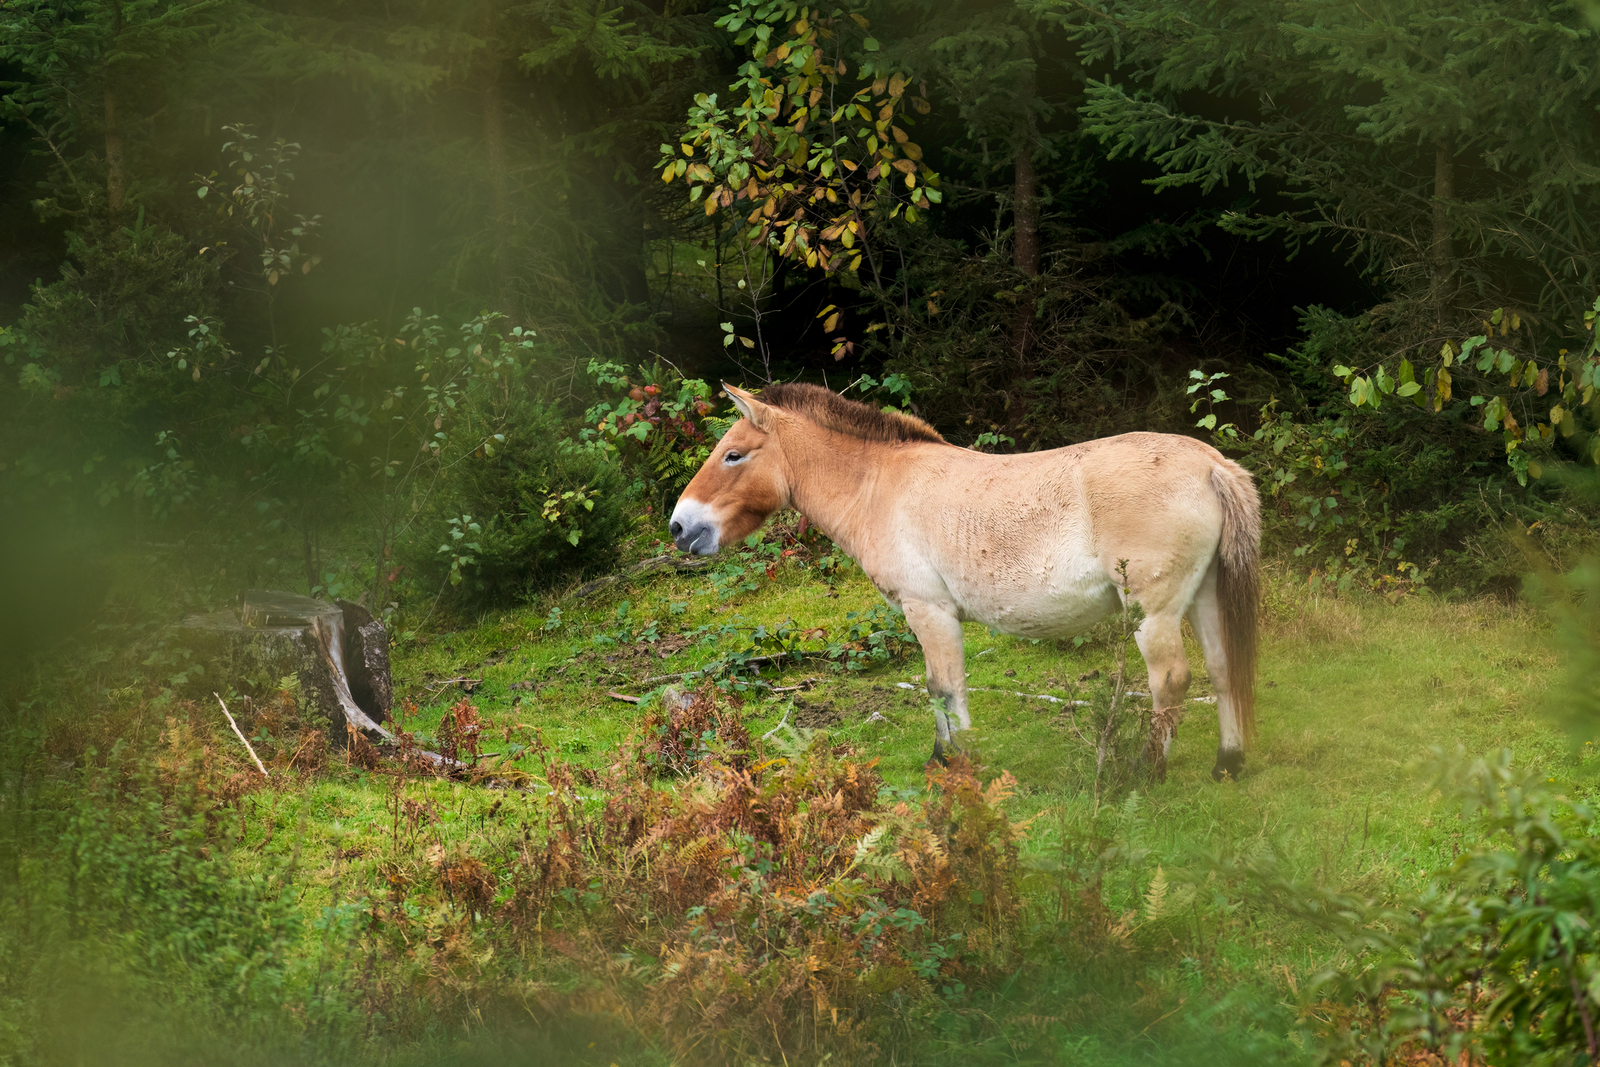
[624,697]
[753,661]
[781,724]
[435,686]
[804,685]
[655,563]
[1047,696]
[240,734]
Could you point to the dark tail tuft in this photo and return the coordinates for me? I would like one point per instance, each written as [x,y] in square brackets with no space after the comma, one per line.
[1239,584]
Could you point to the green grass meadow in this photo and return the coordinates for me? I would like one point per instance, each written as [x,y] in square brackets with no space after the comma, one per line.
[1357,699]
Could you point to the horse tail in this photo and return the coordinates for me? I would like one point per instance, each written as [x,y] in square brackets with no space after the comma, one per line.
[1239,584]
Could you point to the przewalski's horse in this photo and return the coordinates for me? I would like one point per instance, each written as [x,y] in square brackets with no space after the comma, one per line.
[1027,543]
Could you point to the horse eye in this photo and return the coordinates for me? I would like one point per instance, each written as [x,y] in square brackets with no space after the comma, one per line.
[732,457]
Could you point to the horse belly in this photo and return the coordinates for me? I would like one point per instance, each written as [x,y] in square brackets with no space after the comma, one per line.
[1056,600]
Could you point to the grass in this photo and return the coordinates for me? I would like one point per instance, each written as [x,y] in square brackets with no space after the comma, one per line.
[1355,697]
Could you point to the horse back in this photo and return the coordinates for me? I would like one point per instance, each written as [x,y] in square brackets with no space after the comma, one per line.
[1032,542]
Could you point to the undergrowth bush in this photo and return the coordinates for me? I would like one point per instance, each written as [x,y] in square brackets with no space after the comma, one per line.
[1399,482]
[776,908]
[510,524]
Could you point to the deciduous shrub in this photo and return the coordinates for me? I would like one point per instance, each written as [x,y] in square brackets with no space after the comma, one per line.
[516,522]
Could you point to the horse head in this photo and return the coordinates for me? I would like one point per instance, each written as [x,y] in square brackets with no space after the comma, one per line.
[740,484]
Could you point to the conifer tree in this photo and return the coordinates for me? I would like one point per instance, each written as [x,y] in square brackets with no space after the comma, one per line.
[1454,142]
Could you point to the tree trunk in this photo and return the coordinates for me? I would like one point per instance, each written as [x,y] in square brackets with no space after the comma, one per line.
[494,144]
[1443,254]
[1025,225]
[116,178]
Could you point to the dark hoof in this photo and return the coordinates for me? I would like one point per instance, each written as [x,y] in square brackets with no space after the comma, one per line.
[1230,765]
[939,758]
[1152,763]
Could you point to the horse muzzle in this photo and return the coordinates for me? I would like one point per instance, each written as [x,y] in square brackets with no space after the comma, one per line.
[693,530]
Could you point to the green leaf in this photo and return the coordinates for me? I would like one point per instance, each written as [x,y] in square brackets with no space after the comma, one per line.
[870,44]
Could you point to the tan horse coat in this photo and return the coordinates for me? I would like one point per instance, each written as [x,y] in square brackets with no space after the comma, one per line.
[1028,544]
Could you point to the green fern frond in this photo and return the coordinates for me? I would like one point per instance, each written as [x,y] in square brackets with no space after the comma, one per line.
[1155,898]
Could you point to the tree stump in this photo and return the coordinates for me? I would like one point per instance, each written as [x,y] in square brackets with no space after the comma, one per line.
[338,652]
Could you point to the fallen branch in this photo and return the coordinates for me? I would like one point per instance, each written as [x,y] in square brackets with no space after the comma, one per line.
[1010,692]
[753,661]
[463,682]
[240,734]
[781,724]
[1051,699]
[624,697]
[655,563]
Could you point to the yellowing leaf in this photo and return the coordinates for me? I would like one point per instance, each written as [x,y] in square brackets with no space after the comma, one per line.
[833,322]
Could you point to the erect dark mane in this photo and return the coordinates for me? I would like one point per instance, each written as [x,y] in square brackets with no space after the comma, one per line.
[833,412]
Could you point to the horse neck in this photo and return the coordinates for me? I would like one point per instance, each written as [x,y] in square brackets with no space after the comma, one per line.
[836,482]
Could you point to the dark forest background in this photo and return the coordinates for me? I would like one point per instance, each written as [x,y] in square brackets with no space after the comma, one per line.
[391,299]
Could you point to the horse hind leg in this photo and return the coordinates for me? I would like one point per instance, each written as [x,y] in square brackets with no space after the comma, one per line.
[1160,640]
[1205,615]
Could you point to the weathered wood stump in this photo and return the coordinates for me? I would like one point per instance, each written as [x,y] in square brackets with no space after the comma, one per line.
[338,652]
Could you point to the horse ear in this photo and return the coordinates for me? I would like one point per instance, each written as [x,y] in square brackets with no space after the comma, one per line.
[759,414]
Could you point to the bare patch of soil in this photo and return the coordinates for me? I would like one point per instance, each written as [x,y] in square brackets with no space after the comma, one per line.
[815,714]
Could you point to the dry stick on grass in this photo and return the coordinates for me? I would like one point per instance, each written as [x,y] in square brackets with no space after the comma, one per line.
[434,686]
[753,661]
[655,563]
[804,685]
[242,740]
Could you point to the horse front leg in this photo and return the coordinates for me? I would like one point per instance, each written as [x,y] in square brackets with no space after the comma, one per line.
[938,630]
[1160,642]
